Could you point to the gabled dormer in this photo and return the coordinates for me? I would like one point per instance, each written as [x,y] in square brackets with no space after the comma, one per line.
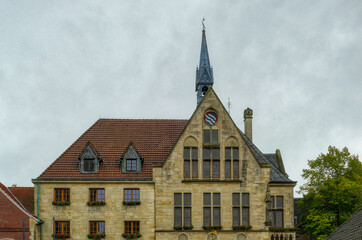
[89,160]
[131,161]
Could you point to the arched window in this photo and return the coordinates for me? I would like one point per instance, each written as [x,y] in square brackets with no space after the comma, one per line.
[191,157]
[272,237]
[290,237]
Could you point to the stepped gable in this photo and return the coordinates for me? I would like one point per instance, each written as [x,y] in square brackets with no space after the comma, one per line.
[25,195]
[153,139]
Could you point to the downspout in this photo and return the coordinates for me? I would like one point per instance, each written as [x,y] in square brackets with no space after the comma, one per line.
[39,221]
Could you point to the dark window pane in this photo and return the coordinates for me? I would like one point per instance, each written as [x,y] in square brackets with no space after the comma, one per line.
[207,199]
[236,216]
[206,136]
[207,216]
[236,169]
[272,201]
[216,169]
[215,136]
[216,153]
[128,195]
[228,169]
[206,153]
[245,199]
[216,199]
[187,199]
[195,154]
[187,216]
[216,219]
[131,165]
[186,168]
[89,165]
[227,153]
[194,168]
[279,218]
[245,216]
[236,199]
[279,202]
[178,199]
[206,169]
[187,153]
[236,153]
[178,216]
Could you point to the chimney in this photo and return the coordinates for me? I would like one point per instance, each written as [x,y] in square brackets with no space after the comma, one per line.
[248,119]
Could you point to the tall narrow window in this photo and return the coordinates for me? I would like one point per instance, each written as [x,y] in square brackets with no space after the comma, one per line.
[211,162]
[61,195]
[236,209]
[96,195]
[231,158]
[212,214]
[96,227]
[241,208]
[190,162]
[277,211]
[246,208]
[62,227]
[182,211]
[131,227]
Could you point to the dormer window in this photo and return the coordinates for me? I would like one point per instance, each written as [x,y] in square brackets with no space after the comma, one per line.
[89,160]
[131,161]
[89,165]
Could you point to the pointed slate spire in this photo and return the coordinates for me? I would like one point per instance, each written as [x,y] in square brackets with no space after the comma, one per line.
[204,74]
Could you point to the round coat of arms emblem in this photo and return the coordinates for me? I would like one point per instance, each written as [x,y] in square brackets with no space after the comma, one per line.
[210,118]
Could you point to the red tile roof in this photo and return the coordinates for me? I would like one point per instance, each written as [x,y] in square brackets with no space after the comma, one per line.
[25,195]
[153,139]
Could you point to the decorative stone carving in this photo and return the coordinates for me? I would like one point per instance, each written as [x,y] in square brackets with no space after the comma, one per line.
[241,236]
[182,236]
[268,219]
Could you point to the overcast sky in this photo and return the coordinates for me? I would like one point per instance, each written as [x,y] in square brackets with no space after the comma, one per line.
[65,64]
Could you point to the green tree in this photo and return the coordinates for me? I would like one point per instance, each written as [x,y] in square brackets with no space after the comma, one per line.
[333,191]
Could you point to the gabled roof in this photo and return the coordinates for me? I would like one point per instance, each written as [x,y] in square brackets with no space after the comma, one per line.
[25,195]
[276,175]
[13,198]
[350,229]
[153,139]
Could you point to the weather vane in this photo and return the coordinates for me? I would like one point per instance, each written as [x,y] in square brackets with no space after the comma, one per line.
[203,24]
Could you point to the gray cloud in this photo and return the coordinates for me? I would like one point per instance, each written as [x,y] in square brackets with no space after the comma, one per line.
[64,65]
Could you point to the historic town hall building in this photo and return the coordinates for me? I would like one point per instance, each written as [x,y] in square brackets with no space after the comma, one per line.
[199,178]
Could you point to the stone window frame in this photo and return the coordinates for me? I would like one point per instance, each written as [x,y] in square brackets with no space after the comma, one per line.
[192,161]
[212,206]
[241,206]
[275,209]
[62,227]
[89,153]
[234,162]
[131,154]
[183,206]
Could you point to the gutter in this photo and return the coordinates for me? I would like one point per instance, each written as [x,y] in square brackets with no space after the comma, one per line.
[38,210]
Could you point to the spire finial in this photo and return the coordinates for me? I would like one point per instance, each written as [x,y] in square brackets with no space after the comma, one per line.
[203,24]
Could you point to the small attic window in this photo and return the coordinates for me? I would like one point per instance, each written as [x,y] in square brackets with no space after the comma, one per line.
[89,160]
[131,161]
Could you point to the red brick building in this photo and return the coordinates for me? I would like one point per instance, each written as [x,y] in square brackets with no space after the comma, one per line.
[16,204]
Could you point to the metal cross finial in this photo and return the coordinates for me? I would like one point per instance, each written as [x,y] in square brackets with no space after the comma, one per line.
[203,24]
